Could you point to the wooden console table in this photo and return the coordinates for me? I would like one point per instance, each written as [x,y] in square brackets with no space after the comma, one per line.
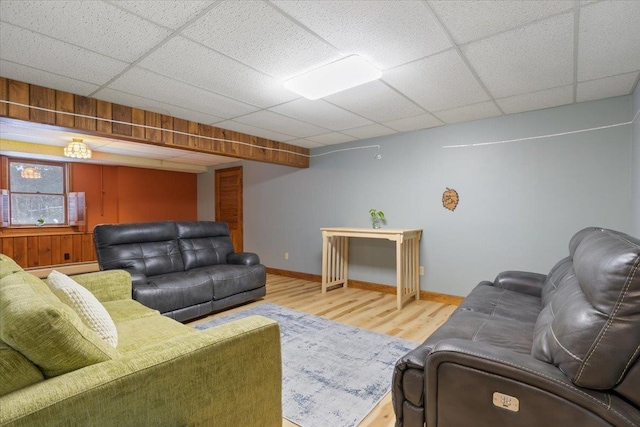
[335,257]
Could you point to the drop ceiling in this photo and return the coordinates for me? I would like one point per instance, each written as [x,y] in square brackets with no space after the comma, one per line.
[223,62]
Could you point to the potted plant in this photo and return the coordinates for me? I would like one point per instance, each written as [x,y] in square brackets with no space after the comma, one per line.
[376,216]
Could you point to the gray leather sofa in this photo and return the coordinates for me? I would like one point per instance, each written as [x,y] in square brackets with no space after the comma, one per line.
[536,350]
[182,269]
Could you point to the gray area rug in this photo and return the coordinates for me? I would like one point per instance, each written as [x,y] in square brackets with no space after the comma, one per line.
[333,374]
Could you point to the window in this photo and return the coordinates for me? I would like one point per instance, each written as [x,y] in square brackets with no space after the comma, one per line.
[38,193]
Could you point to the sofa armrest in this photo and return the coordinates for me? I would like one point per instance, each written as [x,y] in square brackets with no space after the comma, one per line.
[465,374]
[521,281]
[243,258]
[109,285]
[228,375]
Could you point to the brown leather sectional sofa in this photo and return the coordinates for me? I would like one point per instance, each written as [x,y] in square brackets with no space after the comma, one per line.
[536,350]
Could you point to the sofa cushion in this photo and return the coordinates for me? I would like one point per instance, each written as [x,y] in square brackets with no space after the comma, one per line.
[16,371]
[123,310]
[46,331]
[494,301]
[230,280]
[90,310]
[591,326]
[562,273]
[557,277]
[147,331]
[501,332]
[149,248]
[168,292]
[204,243]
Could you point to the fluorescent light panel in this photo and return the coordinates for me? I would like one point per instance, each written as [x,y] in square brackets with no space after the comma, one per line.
[340,75]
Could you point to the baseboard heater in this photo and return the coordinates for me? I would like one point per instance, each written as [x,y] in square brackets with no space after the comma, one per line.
[69,269]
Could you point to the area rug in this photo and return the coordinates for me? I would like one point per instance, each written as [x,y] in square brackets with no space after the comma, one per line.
[333,374]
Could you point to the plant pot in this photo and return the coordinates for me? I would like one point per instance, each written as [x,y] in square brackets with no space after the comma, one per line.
[376,223]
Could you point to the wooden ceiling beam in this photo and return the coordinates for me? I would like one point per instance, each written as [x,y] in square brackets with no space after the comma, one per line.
[70,112]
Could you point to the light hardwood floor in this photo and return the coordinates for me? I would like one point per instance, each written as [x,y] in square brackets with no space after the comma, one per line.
[356,307]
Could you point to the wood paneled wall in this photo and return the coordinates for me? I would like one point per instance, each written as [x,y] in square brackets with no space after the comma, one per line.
[114,194]
[49,249]
[118,121]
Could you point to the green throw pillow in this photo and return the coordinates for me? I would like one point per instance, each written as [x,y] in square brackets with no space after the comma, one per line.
[16,371]
[46,331]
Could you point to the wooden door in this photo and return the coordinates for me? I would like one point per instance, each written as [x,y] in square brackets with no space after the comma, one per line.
[229,202]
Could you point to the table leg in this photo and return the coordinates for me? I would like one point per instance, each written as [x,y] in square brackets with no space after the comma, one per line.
[416,263]
[345,260]
[399,276]
[325,266]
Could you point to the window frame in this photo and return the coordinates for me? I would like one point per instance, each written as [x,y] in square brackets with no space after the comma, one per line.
[64,194]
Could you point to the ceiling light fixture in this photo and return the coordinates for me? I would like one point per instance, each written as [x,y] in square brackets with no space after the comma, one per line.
[335,77]
[77,149]
[30,172]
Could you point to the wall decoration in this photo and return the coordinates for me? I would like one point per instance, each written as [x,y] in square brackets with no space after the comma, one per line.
[450,199]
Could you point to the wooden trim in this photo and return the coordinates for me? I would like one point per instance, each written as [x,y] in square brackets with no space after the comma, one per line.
[443,298]
[358,284]
[295,274]
[135,125]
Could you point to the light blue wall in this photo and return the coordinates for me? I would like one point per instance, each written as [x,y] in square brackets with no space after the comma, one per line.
[635,170]
[206,196]
[519,204]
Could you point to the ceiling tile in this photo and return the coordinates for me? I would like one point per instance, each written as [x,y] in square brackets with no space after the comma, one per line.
[609,40]
[93,25]
[321,113]
[606,87]
[473,20]
[468,113]
[423,121]
[387,33]
[439,82]
[331,138]
[528,59]
[56,57]
[276,122]
[168,13]
[369,131]
[138,81]
[375,101]
[188,61]
[537,100]
[23,73]
[252,130]
[155,106]
[256,34]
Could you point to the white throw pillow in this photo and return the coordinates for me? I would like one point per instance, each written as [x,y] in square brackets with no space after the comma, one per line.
[85,304]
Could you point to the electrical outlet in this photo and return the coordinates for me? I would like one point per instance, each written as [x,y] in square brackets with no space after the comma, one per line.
[66,256]
[422,270]
[286,255]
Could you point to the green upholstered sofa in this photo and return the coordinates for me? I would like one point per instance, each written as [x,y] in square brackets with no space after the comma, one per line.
[162,373]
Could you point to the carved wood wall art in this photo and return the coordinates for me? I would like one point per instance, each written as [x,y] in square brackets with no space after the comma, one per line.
[450,199]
